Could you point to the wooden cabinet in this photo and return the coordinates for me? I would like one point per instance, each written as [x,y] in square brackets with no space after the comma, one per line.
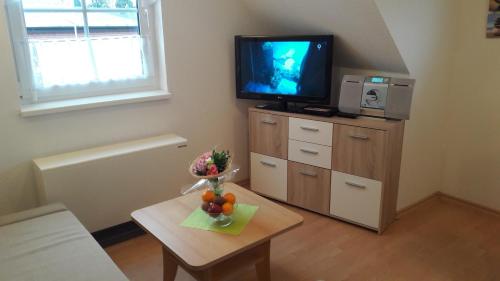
[309,187]
[269,134]
[359,151]
[345,168]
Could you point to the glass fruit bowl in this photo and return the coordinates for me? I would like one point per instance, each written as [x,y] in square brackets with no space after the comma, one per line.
[219,206]
[221,220]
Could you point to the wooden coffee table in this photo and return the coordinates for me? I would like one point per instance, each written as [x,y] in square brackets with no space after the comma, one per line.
[208,255]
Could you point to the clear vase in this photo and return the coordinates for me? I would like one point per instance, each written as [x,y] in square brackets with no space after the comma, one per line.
[222,220]
[217,186]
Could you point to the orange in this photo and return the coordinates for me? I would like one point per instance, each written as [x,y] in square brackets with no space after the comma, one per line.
[227,208]
[208,196]
[230,198]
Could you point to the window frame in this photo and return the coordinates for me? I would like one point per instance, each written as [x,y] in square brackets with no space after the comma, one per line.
[147,30]
[85,11]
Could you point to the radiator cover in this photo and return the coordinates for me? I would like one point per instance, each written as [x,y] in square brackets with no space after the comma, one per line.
[103,185]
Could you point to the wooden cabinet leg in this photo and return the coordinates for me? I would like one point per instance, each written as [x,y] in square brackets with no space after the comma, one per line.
[263,267]
[169,266]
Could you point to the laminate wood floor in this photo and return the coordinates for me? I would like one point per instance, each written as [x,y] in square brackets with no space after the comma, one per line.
[438,240]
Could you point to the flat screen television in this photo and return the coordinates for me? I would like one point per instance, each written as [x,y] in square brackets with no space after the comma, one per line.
[284,68]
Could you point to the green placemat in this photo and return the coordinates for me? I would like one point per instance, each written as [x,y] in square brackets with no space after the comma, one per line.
[242,215]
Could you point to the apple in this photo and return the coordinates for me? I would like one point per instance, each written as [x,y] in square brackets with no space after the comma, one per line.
[214,210]
[219,200]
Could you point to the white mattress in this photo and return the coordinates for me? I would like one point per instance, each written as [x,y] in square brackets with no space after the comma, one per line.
[53,246]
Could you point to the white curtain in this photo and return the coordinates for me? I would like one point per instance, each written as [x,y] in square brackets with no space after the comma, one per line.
[80,61]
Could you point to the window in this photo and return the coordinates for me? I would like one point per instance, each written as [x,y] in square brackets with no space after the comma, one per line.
[78,48]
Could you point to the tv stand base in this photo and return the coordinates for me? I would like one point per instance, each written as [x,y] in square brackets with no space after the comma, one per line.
[279,106]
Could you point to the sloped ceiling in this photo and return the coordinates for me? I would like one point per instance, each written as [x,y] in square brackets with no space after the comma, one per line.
[362,38]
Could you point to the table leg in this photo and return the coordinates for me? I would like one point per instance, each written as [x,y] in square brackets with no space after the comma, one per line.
[169,266]
[207,275]
[263,267]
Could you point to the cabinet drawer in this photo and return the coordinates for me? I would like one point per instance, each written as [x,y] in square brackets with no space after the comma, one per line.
[310,131]
[359,151]
[356,199]
[268,176]
[309,187]
[309,153]
[269,134]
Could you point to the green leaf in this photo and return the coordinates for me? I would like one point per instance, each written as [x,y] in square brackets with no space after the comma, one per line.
[220,159]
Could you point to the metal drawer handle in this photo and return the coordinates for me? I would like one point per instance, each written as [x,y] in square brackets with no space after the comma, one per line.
[361,137]
[353,184]
[270,122]
[309,128]
[268,164]
[309,174]
[309,151]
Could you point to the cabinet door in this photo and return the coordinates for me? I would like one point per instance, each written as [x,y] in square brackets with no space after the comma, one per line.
[356,199]
[309,187]
[268,176]
[269,134]
[359,151]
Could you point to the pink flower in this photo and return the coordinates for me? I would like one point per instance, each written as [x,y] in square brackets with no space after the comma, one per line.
[200,167]
[212,170]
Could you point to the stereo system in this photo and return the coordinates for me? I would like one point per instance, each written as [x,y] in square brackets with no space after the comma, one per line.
[376,96]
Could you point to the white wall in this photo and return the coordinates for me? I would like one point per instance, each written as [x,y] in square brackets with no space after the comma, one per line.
[452,143]
[200,56]
[361,37]
[472,163]
[423,31]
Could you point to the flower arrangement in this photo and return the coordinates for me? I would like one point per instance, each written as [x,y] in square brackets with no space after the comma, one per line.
[214,167]
[211,163]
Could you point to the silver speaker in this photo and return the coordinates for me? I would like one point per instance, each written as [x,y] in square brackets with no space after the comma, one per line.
[399,98]
[376,96]
[350,94]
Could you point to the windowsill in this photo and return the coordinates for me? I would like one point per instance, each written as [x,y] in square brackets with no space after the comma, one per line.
[91,102]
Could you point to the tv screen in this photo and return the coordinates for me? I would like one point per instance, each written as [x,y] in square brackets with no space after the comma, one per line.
[295,68]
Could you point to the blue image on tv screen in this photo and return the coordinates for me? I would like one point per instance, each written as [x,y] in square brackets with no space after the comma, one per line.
[283,67]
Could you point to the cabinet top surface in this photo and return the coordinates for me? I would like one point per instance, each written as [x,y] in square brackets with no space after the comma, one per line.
[368,122]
